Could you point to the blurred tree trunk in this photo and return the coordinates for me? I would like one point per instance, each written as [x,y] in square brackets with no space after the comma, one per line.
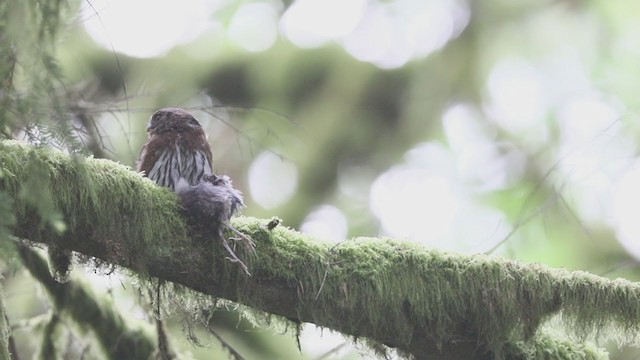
[5,331]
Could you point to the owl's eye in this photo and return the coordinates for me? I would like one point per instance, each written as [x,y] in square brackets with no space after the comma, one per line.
[153,123]
[193,122]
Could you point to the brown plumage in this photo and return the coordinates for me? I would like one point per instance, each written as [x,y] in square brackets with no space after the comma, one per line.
[177,148]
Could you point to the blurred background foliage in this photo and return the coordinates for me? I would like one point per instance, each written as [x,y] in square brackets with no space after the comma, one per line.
[472,126]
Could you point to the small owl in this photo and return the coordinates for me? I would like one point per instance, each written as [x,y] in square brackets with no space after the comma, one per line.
[177,148]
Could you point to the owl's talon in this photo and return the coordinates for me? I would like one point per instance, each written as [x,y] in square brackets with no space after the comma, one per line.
[241,237]
[233,257]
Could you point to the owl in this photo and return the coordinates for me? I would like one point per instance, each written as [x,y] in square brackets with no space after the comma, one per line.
[177,148]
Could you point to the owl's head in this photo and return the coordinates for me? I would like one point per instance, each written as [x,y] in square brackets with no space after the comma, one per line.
[172,119]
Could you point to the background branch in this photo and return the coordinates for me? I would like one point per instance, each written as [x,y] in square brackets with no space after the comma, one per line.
[5,331]
[117,337]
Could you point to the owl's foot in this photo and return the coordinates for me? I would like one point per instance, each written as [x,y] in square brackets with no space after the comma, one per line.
[247,241]
[233,257]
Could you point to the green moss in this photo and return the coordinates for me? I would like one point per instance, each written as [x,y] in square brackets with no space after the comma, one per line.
[51,186]
[400,288]
[7,219]
[547,347]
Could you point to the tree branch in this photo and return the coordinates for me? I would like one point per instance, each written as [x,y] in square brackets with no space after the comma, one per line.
[395,293]
[119,338]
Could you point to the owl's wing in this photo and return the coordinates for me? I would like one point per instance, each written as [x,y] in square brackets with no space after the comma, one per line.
[146,160]
[209,157]
[150,153]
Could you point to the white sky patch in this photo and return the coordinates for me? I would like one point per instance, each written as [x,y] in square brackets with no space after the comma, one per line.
[463,125]
[416,200]
[354,181]
[373,37]
[625,210]
[591,196]
[414,203]
[391,34]
[592,152]
[566,76]
[310,23]
[482,164]
[424,200]
[255,26]
[517,100]
[490,166]
[146,28]
[387,34]
[591,138]
[316,342]
[431,156]
[430,26]
[327,223]
[476,229]
[114,283]
[272,181]
[581,121]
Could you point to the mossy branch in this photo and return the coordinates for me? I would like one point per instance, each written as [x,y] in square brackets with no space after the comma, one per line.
[119,338]
[399,294]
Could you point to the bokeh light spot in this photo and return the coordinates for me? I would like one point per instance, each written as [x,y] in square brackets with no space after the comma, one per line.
[391,34]
[517,100]
[254,26]
[326,222]
[145,28]
[626,207]
[310,23]
[272,181]
[413,203]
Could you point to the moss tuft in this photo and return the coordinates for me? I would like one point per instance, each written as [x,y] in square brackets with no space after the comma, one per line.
[548,347]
